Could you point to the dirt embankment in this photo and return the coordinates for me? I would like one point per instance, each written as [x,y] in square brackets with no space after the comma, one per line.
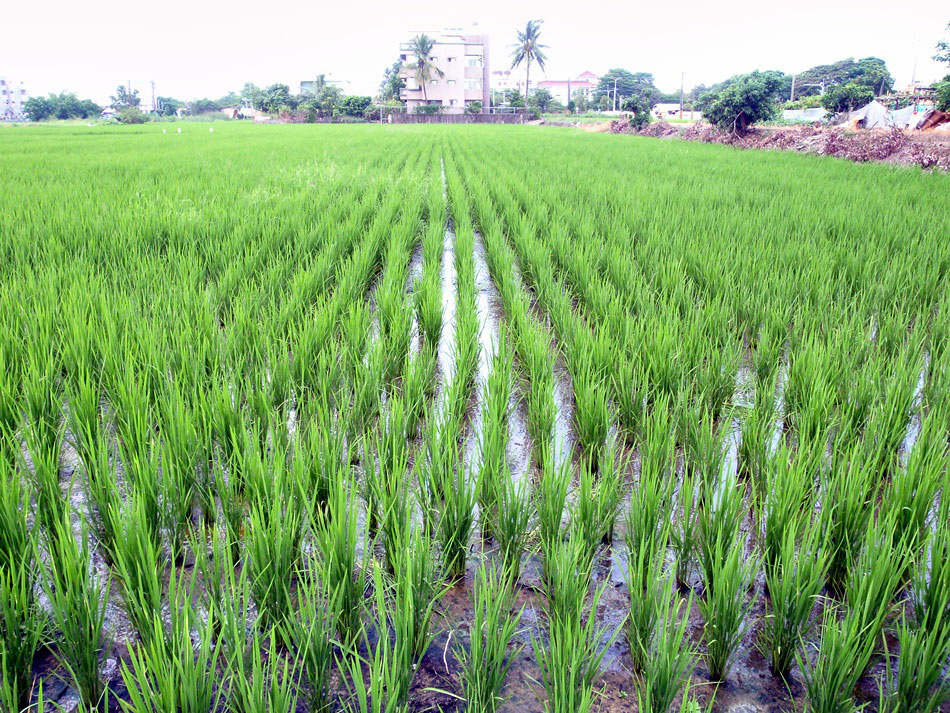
[927,149]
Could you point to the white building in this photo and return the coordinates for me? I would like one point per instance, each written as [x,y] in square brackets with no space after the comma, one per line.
[504,81]
[564,89]
[12,99]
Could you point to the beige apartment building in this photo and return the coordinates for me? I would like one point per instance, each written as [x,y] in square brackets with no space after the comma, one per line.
[463,59]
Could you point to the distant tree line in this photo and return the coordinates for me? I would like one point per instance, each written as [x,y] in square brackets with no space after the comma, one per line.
[64,105]
[744,99]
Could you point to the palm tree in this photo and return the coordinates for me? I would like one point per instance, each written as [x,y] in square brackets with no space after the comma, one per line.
[528,49]
[421,46]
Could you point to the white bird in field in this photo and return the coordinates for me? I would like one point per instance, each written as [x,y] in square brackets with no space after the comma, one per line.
[211,130]
[163,131]
[179,130]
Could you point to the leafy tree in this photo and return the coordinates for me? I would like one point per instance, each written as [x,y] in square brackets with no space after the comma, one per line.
[748,98]
[943,50]
[88,109]
[169,106]
[392,83]
[355,106]
[515,99]
[943,86]
[541,99]
[60,106]
[253,95]
[869,71]
[604,103]
[847,97]
[421,46]
[628,84]
[428,109]
[38,108]
[529,49]
[276,96]
[229,99]
[781,84]
[639,106]
[581,102]
[473,107]
[203,106]
[809,102]
[943,94]
[123,99]
[323,104]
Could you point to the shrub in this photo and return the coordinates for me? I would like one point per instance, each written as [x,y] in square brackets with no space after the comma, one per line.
[132,115]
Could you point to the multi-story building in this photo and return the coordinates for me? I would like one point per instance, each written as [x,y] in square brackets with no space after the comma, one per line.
[463,61]
[563,90]
[12,100]
[505,81]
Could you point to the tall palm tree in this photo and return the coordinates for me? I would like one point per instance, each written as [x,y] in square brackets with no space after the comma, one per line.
[528,49]
[421,46]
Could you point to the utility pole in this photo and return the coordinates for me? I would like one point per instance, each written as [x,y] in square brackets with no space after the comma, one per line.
[568,103]
[792,97]
[128,83]
[615,94]
[154,106]
[682,81]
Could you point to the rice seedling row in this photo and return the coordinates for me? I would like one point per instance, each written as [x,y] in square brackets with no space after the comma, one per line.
[236,417]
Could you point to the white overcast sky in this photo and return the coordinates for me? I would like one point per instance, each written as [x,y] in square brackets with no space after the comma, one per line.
[198,48]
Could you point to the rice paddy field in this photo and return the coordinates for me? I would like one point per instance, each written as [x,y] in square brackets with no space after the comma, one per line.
[485,418]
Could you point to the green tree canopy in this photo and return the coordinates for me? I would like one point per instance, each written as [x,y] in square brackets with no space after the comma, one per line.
[541,98]
[253,95]
[203,106]
[323,103]
[169,106]
[355,105]
[943,50]
[123,99]
[392,83]
[847,97]
[276,96]
[581,102]
[746,99]
[639,106]
[64,105]
[229,99]
[870,72]
[628,84]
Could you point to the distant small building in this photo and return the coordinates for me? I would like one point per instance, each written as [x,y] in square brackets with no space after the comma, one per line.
[12,99]
[241,112]
[463,60]
[505,81]
[563,90]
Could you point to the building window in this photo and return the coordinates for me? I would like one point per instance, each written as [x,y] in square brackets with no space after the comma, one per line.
[473,83]
[433,59]
[450,59]
[474,61]
[434,82]
[451,82]
[452,102]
